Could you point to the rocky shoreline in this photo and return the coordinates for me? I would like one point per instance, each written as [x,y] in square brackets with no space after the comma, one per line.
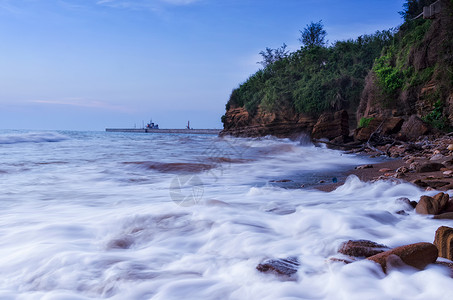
[427,163]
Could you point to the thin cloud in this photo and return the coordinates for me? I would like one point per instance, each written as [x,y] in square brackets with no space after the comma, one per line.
[144,4]
[85,103]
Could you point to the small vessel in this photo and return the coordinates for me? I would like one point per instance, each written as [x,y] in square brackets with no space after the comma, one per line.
[151,125]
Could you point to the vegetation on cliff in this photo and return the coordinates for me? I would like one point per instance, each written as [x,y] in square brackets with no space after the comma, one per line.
[391,73]
[313,79]
[414,72]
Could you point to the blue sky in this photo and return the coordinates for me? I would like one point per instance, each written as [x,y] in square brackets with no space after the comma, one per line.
[91,64]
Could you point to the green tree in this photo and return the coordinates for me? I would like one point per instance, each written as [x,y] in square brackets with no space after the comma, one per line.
[272,55]
[313,35]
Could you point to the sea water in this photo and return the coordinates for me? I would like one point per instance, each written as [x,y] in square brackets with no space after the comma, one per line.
[92,215]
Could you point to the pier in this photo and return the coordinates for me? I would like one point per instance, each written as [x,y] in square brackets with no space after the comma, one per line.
[149,130]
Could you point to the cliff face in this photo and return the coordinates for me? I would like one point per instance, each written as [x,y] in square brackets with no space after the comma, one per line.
[282,123]
[408,91]
[421,63]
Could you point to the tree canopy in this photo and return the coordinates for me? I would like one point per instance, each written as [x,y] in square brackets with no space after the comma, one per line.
[313,35]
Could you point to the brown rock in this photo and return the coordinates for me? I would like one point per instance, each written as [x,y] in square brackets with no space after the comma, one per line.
[430,167]
[385,126]
[426,206]
[449,206]
[385,170]
[413,128]
[444,242]
[417,255]
[444,216]
[286,266]
[332,125]
[442,201]
[437,184]
[432,205]
[361,248]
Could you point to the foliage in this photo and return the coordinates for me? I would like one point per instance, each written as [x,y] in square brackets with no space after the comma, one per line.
[436,117]
[272,55]
[313,35]
[393,70]
[364,122]
[313,79]
[389,77]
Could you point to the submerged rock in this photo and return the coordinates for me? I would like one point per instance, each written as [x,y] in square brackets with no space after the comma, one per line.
[361,248]
[417,255]
[444,242]
[279,266]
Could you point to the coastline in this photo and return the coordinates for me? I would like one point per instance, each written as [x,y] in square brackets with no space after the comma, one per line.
[429,166]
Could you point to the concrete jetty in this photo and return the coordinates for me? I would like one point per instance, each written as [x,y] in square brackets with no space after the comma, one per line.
[149,130]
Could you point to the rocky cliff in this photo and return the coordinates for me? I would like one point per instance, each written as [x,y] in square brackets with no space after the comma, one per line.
[407,93]
[415,75]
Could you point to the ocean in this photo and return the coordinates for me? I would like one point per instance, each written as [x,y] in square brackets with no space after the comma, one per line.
[96,215]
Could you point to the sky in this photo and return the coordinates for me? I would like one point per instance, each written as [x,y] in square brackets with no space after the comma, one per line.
[92,64]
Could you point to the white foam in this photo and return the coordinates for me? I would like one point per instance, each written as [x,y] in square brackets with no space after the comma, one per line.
[85,230]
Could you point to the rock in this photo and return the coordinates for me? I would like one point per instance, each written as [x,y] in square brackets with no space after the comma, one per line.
[417,255]
[414,165]
[449,172]
[402,170]
[286,266]
[343,260]
[442,200]
[413,128]
[432,205]
[361,248]
[449,206]
[444,242]
[420,183]
[436,184]
[364,167]
[426,206]
[450,147]
[385,170]
[332,125]
[437,157]
[406,202]
[281,180]
[444,216]
[430,167]
[387,126]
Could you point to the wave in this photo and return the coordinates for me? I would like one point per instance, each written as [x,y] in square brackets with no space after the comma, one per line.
[32,137]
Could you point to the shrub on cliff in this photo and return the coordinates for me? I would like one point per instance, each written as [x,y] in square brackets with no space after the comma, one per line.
[313,79]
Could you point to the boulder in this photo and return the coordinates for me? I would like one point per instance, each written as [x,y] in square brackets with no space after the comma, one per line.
[385,126]
[332,125]
[432,205]
[444,242]
[280,266]
[417,255]
[361,248]
[430,167]
[413,128]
